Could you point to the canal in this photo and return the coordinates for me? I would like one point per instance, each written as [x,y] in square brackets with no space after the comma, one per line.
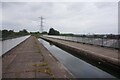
[78,67]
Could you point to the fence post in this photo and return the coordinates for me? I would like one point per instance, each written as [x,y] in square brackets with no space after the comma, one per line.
[102,41]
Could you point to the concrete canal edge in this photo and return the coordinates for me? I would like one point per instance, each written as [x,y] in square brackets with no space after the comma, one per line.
[99,61]
[13,48]
[18,43]
[21,51]
[47,55]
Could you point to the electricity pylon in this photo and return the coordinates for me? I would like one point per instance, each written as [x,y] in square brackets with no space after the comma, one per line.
[41,24]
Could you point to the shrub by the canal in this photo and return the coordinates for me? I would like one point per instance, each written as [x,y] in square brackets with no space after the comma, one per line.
[53,32]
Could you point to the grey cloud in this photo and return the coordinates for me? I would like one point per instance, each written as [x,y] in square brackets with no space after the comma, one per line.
[105,4]
[76,17]
[6,5]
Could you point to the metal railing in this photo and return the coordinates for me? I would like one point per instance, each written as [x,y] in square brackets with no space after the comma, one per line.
[104,42]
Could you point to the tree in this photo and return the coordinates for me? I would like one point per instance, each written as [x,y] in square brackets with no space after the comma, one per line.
[0,34]
[5,33]
[11,34]
[23,32]
[44,32]
[53,32]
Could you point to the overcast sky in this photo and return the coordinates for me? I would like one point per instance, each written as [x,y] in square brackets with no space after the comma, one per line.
[67,17]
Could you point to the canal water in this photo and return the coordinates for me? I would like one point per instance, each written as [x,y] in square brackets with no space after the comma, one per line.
[78,67]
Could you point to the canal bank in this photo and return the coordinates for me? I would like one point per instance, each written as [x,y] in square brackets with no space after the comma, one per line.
[31,59]
[108,64]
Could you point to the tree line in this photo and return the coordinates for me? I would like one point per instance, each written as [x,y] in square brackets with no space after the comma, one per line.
[8,34]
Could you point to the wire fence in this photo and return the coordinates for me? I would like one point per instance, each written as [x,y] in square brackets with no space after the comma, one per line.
[104,42]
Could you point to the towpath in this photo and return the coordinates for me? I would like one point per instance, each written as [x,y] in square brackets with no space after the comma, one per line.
[31,59]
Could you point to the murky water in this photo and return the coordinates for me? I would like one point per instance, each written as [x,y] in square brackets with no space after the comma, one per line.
[78,67]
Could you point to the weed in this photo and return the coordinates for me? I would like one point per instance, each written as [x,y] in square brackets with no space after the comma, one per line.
[41,64]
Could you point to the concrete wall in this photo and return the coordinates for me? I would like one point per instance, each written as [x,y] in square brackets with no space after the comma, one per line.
[96,59]
[7,45]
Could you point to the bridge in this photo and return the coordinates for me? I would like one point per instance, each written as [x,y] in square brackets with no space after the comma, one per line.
[30,59]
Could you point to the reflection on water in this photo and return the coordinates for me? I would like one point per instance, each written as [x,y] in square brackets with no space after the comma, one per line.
[78,67]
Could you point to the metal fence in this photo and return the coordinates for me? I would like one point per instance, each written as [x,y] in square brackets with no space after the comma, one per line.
[105,42]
